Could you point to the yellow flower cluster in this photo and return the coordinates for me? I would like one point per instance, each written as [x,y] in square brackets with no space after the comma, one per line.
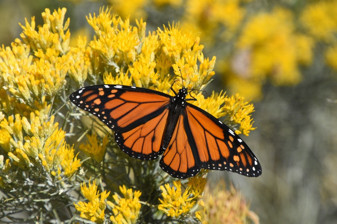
[125,209]
[132,9]
[146,60]
[54,33]
[207,17]
[320,21]
[94,147]
[220,205]
[276,29]
[238,111]
[176,201]
[94,209]
[35,79]
[319,18]
[37,140]
[269,47]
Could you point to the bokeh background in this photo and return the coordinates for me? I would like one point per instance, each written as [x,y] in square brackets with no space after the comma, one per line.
[282,56]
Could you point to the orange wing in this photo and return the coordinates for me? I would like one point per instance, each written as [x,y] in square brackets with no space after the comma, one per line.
[138,116]
[202,141]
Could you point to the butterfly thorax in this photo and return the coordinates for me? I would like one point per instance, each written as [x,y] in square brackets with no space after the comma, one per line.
[179,100]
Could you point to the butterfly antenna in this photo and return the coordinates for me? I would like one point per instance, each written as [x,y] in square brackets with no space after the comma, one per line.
[192,97]
[172,87]
[182,80]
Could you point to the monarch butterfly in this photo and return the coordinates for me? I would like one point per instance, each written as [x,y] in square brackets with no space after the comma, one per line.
[148,123]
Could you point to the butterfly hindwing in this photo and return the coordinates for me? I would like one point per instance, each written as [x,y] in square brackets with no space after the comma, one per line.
[179,159]
[137,115]
[202,141]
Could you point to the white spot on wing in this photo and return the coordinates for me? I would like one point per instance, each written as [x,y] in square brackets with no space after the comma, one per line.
[106,86]
[80,91]
[239,139]
[231,132]
[133,87]
[118,86]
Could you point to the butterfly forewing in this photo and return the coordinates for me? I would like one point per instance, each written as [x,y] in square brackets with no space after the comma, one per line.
[138,116]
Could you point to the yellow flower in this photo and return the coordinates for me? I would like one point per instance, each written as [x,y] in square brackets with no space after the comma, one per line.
[67,159]
[212,104]
[238,111]
[4,139]
[125,209]
[30,80]
[122,78]
[250,89]
[194,77]
[54,33]
[117,41]
[55,153]
[95,148]
[38,140]
[175,202]
[143,72]
[230,14]
[176,41]
[219,205]
[79,61]
[208,16]
[304,45]
[331,55]
[130,8]
[196,185]
[269,47]
[94,209]
[147,61]
[320,19]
